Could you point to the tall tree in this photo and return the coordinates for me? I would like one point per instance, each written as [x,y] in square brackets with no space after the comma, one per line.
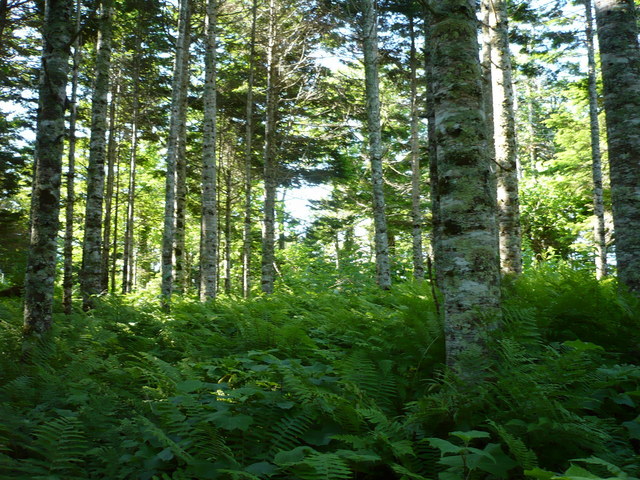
[468,245]
[372,92]
[596,157]
[67,280]
[178,100]
[504,134]
[620,62]
[209,243]
[41,265]
[92,245]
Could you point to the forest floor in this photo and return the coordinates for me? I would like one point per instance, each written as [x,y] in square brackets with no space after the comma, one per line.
[325,381]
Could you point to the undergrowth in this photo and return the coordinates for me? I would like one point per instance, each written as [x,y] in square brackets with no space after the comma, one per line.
[325,384]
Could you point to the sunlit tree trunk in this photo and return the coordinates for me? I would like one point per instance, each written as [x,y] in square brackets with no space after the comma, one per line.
[45,200]
[470,262]
[270,184]
[248,147]
[175,127]
[108,201]
[620,62]
[416,197]
[372,91]
[504,132]
[209,244]
[92,244]
[596,157]
[67,280]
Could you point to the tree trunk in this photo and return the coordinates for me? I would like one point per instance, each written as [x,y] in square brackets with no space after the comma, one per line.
[596,158]
[175,126]
[41,263]
[469,258]
[248,147]
[371,59]
[504,132]
[620,62]
[111,161]
[67,281]
[209,244]
[227,229]
[92,244]
[270,184]
[416,207]
[116,225]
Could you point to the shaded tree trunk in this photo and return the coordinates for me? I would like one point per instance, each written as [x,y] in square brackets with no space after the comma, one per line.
[227,229]
[620,62]
[596,157]
[416,207]
[92,244]
[371,59]
[504,133]
[116,225]
[67,280]
[209,243]
[45,200]
[246,232]
[469,258]
[175,127]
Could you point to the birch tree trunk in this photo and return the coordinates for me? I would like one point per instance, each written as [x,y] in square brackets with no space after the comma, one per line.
[177,117]
[620,62]
[596,157]
[416,207]
[67,280]
[268,235]
[209,243]
[111,161]
[45,199]
[470,262]
[504,133]
[371,59]
[92,244]
[248,147]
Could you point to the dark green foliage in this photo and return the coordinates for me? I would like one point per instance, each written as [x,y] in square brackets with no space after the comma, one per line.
[323,384]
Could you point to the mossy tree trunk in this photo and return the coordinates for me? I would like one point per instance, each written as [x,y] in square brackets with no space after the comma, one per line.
[45,200]
[92,244]
[620,62]
[596,157]
[209,243]
[372,93]
[469,258]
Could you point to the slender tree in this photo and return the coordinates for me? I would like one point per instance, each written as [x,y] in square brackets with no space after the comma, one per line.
[177,117]
[596,157]
[209,243]
[469,258]
[504,134]
[41,264]
[620,62]
[67,279]
[92,245]
[372,92]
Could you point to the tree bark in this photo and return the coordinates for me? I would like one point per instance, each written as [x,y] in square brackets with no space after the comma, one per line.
[416,207]
[127,249]
[67,279]
[41,263]
[92,244]
[596,157]
[270,184]
[469,258]
[209,244]
[371,59]
[177,117]
[248,147]
[620,62]
[504,133]
[227,228]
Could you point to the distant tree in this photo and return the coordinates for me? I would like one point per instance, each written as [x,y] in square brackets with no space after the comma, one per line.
[41,266]
[620,62]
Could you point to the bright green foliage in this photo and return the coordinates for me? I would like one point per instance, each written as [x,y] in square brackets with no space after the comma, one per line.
[325,383]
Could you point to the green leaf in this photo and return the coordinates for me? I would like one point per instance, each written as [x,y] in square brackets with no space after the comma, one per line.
[227,421]
[445,446]
[189,386]
[539,474]
[466,437]
[261,468]
[634,428]
[575,472]
[292,457]
[165,454]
